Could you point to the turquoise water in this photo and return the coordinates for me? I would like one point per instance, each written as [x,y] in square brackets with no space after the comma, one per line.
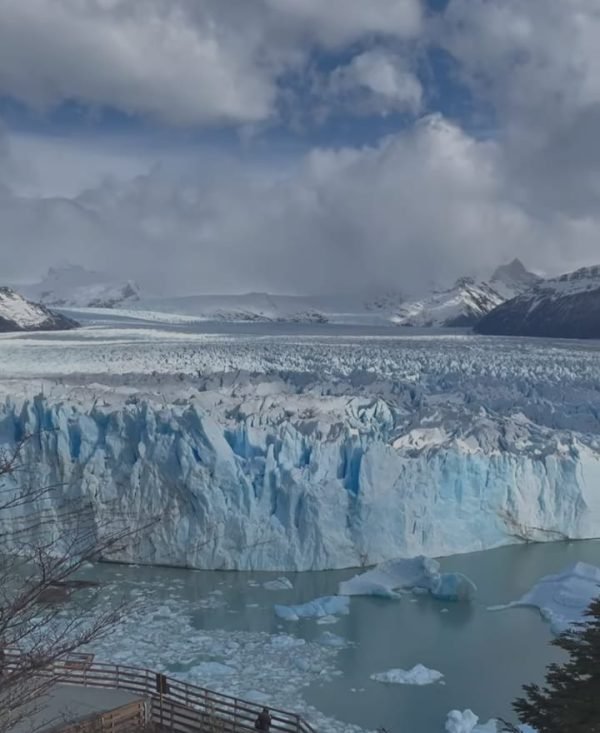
[485,655]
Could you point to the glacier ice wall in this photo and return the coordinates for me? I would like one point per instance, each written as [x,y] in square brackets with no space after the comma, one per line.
[297,483]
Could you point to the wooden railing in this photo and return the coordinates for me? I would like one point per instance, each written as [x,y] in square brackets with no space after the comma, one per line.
[124,719]
[181,708]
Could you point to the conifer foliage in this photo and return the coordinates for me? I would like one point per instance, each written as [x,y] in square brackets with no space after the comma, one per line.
[569,702]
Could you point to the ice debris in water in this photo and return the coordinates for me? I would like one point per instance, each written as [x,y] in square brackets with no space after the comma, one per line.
[563,598]
[418,675]
[420,574]
[278,584]
[467,722]
[327,638]
[276,668]
[319,608]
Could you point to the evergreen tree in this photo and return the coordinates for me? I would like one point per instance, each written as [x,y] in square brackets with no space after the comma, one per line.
[570,700]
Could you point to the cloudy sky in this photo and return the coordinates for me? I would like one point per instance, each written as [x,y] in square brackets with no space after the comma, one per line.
[298,145]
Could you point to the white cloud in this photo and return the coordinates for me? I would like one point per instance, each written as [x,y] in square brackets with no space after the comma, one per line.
[538,64]
[427,203]
[528,57]
[338,22]
[202,62]
[375,81]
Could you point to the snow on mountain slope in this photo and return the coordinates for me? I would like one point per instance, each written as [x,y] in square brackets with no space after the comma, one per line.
[462,305]
[512,279]
[468,300]
[73,286]
[308,452]
[266,307]
[19,314]
[565,307]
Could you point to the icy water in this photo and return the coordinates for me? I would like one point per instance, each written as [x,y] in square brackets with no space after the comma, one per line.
[485,655]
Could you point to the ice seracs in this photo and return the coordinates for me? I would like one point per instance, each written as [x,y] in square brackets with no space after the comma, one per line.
[269,454]
[19,314]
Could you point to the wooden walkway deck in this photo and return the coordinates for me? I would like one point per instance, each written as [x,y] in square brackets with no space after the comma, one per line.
[174,706]
[65,705]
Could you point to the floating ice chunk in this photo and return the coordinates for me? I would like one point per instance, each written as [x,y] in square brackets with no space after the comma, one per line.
[327,638]
[418,675]
[328,620]
[278,584]
[284,641]
[319,608]
[420,574]
[466,722]
[388,577]
[454,587]
[563,598]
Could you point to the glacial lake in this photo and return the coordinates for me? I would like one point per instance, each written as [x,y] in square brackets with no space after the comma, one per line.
[485,656]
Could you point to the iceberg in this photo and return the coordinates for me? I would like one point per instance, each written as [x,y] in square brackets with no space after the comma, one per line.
[562,599]
[278,584]
[418,675]
[453,587]
[419,574]
[327,638]
[467,722]
[319,608]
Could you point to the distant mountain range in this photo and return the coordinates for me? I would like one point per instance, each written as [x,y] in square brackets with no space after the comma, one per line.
[462,305]
[512,301]
[73,286]
[19,314]
[468,301]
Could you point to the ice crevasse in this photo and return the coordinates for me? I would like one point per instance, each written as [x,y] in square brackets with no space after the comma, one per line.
[286,492]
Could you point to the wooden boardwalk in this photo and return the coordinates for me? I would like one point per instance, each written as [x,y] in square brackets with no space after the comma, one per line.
[65,705]
[172,705]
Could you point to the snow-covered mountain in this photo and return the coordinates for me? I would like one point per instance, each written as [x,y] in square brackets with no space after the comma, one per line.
[467,301]
[512,279]
[266,307]
[73,286]
[563,307]
[462,305]
[19,314]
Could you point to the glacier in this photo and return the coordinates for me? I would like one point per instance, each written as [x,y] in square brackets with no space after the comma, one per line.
[304,452]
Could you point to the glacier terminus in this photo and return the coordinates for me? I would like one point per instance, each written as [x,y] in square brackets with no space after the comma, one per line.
[306,452]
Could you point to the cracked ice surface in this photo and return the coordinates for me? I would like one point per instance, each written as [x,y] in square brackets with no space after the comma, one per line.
[309,452]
